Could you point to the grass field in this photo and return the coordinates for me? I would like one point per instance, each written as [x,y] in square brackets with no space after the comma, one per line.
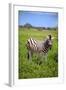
[30,69]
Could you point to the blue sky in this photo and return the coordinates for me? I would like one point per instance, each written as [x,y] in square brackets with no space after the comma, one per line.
[42,19]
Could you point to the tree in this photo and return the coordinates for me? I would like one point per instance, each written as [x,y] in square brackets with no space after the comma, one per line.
[27,25]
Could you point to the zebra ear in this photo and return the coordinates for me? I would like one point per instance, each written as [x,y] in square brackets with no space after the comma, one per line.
[47,37]
[53,38]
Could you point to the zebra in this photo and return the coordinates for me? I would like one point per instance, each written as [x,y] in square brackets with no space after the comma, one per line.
[34,46]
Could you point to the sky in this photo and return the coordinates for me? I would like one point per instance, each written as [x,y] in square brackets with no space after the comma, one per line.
[35,18]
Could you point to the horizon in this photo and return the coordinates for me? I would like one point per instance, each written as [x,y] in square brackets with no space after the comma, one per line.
[38,19]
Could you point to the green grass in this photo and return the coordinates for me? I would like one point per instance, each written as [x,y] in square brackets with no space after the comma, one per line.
[30,69]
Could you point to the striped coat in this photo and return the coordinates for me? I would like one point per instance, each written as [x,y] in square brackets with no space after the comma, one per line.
[38,46]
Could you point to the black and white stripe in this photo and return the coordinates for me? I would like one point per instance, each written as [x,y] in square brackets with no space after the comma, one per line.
[32,44]
[38,46]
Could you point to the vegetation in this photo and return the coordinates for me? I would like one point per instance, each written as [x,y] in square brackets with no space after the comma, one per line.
[27,25]
[31,68]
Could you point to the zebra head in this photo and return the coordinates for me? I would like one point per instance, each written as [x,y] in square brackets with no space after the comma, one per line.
[48,43]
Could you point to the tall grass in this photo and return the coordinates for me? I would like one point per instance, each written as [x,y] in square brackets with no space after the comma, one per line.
[31,69]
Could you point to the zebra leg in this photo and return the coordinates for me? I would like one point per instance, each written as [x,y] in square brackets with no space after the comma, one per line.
[29,55]
[41,58]
[46,55]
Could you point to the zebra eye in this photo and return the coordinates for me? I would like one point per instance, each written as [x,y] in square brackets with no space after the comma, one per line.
[50,43]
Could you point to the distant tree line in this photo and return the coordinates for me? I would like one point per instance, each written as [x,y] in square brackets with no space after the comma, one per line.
[27,25]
